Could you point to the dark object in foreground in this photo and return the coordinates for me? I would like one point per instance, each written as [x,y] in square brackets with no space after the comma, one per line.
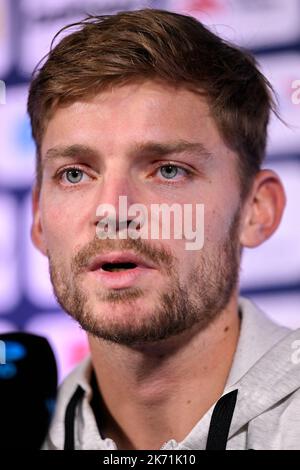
[28,385]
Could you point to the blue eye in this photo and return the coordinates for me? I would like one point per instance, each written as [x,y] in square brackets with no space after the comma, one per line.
[73,175]
[169,171]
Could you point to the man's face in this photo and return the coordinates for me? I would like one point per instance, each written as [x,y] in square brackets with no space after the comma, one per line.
[117,142]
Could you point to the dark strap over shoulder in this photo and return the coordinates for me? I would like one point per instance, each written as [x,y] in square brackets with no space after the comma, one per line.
[70,419]
[220,422]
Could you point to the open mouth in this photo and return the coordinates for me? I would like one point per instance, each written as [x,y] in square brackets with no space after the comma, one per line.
[119,270]
[114,267]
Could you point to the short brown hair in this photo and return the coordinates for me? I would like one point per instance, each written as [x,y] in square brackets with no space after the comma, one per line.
[111,50]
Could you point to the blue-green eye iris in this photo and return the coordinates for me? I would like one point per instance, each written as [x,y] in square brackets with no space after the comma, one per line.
[74,175]
[169,171]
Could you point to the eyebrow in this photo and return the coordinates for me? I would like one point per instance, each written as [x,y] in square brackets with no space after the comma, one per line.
[70,151]
[140,149]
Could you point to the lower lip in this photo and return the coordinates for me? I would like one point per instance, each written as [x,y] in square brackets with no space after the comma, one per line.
[121,279]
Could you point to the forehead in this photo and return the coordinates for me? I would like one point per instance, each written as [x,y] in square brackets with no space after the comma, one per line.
[147,111]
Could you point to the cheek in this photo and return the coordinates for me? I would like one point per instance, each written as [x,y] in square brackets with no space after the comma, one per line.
[54,230]
[213,226]
[217,226]
[58,225]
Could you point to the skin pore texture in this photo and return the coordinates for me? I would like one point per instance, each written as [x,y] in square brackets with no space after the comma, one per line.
[162,348]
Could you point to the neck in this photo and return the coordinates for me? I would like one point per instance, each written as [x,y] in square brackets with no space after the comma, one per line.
[154,392]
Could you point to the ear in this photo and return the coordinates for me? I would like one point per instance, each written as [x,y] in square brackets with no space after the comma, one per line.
[36,227]
[263,209]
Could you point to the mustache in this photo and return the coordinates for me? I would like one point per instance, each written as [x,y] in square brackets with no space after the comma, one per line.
[159,254]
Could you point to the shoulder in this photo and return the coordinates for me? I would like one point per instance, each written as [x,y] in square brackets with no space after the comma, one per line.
[278,428]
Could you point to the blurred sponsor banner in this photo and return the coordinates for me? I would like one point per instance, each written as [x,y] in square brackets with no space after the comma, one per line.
[5,38]
[36,283]
[253,24]
[17,158]
[67,339]
[9,273]
[6,326]
[283,309]
[282,70]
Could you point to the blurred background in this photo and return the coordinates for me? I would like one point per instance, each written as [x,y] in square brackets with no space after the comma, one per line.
[270,273]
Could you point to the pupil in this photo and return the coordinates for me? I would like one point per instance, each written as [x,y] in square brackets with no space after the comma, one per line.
[74,175]
[170,171]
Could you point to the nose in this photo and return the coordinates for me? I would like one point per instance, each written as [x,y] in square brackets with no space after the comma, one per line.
[116,193]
